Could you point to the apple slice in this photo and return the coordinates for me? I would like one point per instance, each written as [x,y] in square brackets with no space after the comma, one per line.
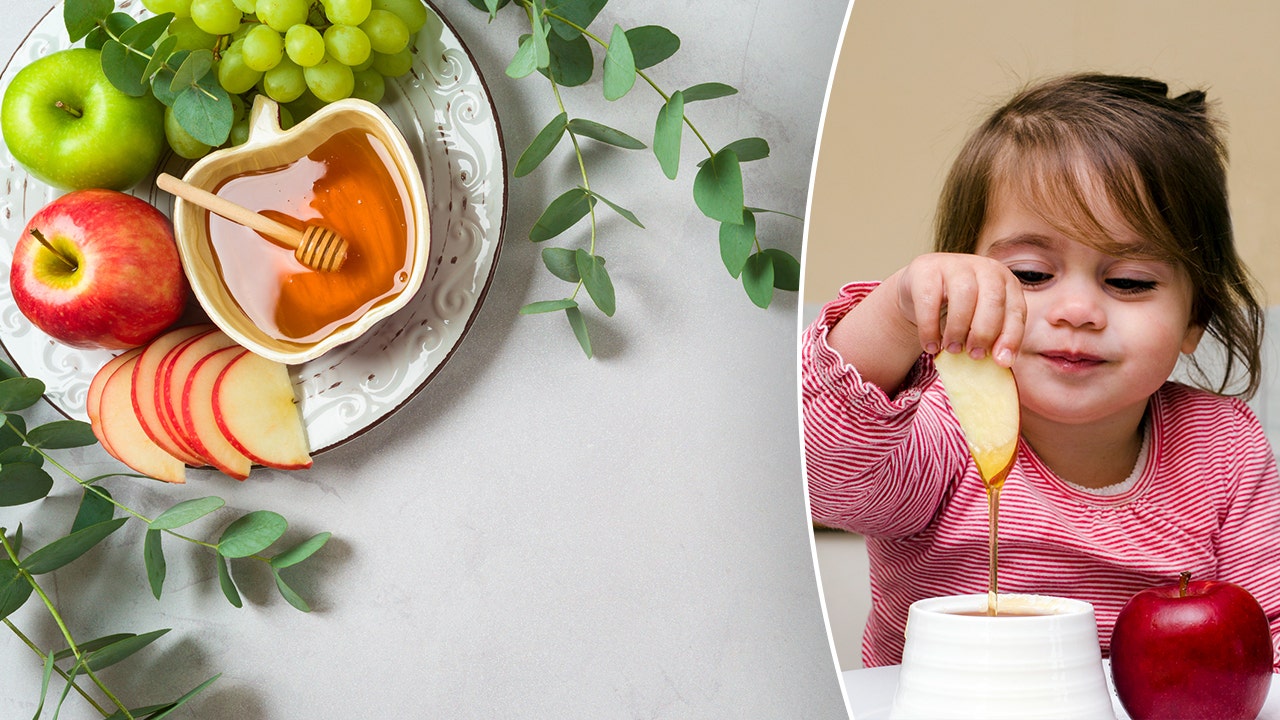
[984,397]
[124,437]
[175,371]
[93,398]
[198,412]
[257,411]
[146,392]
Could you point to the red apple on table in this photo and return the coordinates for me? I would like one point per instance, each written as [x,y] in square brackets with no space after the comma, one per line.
[1197,649]
[99,269]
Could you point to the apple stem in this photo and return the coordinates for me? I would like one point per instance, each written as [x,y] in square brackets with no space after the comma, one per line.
[70,110]
[71,264]
[1182,584]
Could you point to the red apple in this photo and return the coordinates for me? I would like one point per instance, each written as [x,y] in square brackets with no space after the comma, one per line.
[106,275]
[1193,650]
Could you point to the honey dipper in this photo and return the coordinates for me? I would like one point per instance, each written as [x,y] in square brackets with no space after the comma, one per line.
[318,248]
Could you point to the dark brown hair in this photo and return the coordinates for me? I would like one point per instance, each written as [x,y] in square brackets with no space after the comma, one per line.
[1160,161]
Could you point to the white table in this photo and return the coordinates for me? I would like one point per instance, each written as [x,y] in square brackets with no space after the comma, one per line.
[534,534]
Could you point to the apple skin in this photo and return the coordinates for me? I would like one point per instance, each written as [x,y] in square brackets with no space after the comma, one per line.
[128,284]
[1197,649]
[115,142]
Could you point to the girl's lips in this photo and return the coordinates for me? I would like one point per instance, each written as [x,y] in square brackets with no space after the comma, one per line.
[1067,360]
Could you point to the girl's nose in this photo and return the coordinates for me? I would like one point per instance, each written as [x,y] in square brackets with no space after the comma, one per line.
[1076,305]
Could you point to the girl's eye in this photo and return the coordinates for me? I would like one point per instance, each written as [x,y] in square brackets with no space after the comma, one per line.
[1130,285]
[1031,277]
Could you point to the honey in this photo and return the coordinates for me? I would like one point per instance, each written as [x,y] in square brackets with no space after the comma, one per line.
[350,184]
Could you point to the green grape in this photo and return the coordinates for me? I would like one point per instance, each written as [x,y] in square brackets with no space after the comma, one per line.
[263,48]
[179,8]
[189,35]
[346,12]
[248,7]
[238,108]
[368,63]
[304,44]
[305,106]
[284,82]
[234,75]
[180,140]
[239,132]
[286,118]
[370,85]
[387,32]
[280,15]
[347,44]
[412,12]
[393,65]
[218,17]
[329,80]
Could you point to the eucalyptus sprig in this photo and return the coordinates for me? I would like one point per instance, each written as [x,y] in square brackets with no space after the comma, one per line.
[560,46]
[24,478]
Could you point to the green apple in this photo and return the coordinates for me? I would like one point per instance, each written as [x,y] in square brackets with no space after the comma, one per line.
[72,129]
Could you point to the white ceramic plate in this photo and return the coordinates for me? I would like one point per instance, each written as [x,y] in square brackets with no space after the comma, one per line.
[444,109]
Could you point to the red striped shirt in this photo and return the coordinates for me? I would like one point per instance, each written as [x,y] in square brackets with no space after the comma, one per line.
[897,470]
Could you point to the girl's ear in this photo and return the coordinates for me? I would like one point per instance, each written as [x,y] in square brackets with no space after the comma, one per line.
[1191,340]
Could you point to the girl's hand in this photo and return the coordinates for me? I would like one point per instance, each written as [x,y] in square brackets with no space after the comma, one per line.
[961,302]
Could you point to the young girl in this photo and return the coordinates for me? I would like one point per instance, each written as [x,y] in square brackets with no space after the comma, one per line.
[1084,240]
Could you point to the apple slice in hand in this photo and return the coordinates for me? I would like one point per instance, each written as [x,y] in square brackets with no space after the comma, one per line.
[123,435]
[257,411]
[984,397]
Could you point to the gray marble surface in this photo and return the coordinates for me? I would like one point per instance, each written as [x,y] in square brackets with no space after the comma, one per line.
[534,535]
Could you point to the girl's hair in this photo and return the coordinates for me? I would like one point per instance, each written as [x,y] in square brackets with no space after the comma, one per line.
[1080,144]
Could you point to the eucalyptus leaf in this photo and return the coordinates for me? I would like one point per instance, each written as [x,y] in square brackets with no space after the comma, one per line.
[87,646]
[64,550]
[162,82]
[81,16]
[191,66]
[153,558]
[666,135]
[786,269]
[717,188]
[205,111]
[546,306]
[145,33]
[162,53]
[708,91]
[604,133]
[757,279]
[8,372]
[121,649]
[12,431]
[563,263]
[23,482]
[572,62]
[541,50]
[158,712]
[227,584]
[289,595]
[21,454]
[525,61]
[94,508]
[45,676]
[185,512]
[300,552]
[651,44]
[14,588]
[96,38]
[596,279]
[579,325]
[542,145]
[563,212]
[16,542]
[19,393]
[251,533]
[630,216]
[619,66]
[579,12]
[124,68]
[62,434]
[736,243]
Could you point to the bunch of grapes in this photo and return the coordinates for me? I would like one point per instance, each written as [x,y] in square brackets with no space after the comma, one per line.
[301,53]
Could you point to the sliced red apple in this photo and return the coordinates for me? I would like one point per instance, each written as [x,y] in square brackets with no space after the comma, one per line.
[146,392]
[174,374]
[257,411]
[125,438]
[198,413]
[984,397]
[93,398]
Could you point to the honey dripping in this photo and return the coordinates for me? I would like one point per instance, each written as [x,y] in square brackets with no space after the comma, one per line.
[350,184]
[994,486]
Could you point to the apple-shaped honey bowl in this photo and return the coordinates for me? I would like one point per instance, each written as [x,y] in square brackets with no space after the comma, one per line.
[1039,657]
[347,169]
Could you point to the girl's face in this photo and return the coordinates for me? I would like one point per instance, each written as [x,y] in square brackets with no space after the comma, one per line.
[1103,332]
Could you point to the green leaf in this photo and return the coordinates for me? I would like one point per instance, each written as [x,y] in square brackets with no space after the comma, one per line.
[289,595]
[300,552]
[717,188]
[596,279]
[162,53]
[525,61]
[19,393]
[81,16]
[562,214]
[21,454]
[251,533]
[125,69]
[630,216]
[757,279]
[227,584]
[651,44]
[185,512]
[23,482]
[61,434]
[786,269]
[736,243]
[579,325]
[153,558]
[543,143]
[162,83]
[541,50]
[579,12]
[604,133]
[64,550]
[205,112]
[619,66]
[144,34]
[546,306]
[121,649]
[708,91]
[88,646]
[158,712]
[571,62]
[8,372]
[666,134]
[12,431]
[94,508]
[748,149]
[14,588]
[563,263]
[192,66]
[45,677]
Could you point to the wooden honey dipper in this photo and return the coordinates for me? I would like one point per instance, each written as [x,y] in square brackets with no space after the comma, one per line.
[316,247]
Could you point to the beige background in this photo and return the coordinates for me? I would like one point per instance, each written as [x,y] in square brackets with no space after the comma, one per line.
[915,76]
